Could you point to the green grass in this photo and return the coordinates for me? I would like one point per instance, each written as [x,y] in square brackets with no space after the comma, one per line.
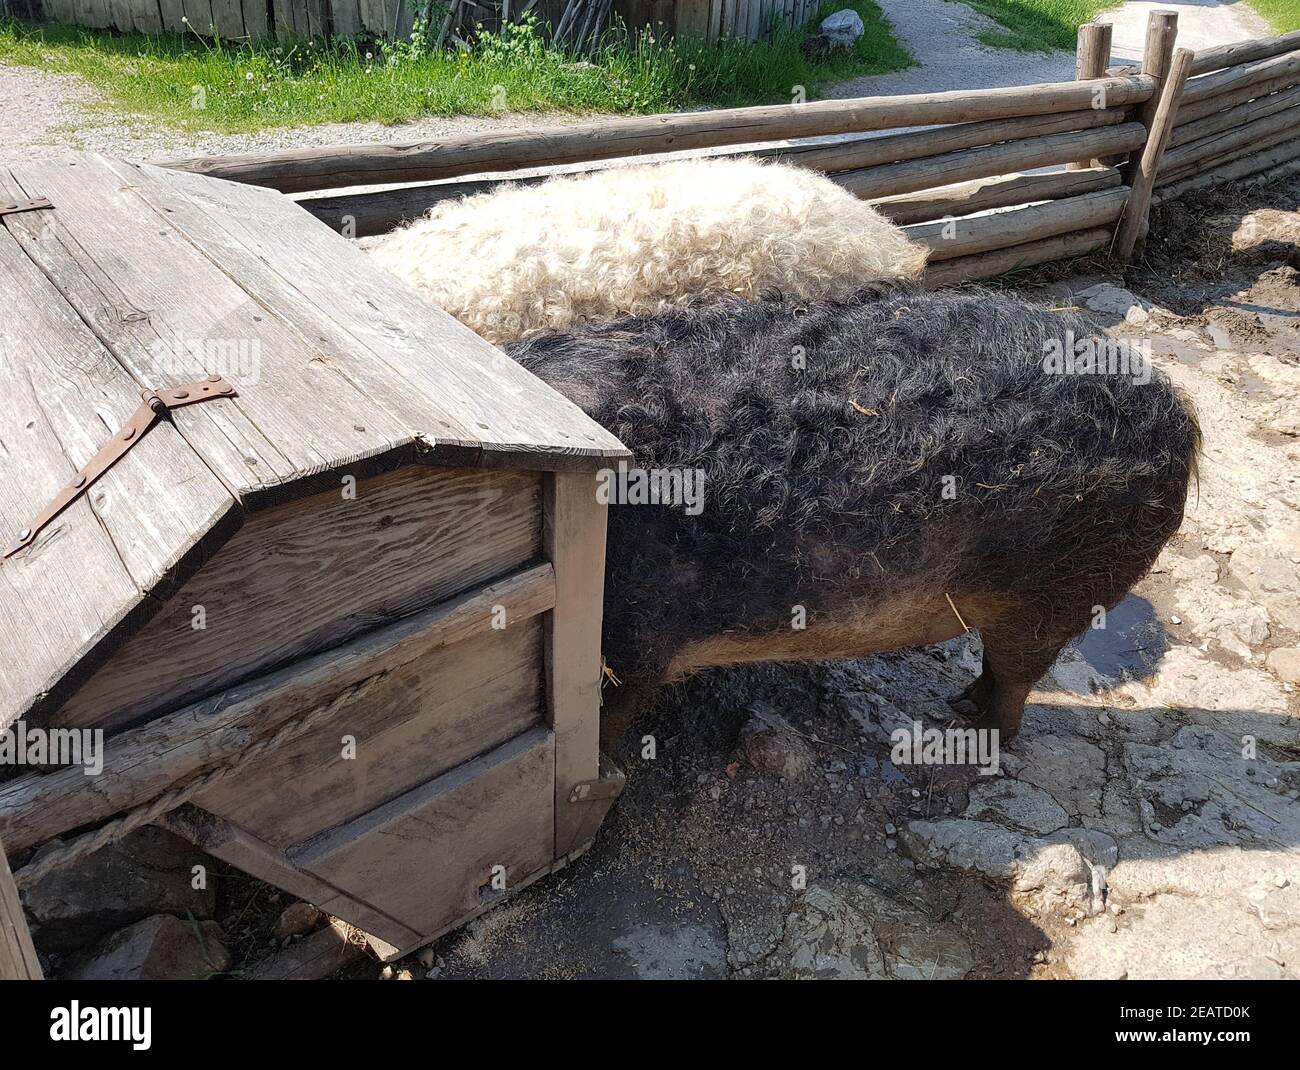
[1282,15]
[1040,25]
[195,84]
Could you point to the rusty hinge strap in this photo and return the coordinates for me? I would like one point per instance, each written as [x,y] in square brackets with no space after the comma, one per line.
[156,402]
[10,207]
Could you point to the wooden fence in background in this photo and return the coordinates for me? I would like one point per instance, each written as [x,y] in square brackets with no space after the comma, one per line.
[997,179]
[287,19]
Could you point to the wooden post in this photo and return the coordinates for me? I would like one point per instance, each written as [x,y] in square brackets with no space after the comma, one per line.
[1133,220]
[18,961]
[574,539]
[1162,30]
[1093,53]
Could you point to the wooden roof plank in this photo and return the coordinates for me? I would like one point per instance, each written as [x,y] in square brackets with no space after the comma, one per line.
[171,316]
[446,367]
[133,534]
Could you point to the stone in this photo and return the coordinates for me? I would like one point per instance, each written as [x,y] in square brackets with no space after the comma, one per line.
[771,746]
[1268,571]
[1285,662]
[1230,801]
[148,872]
[1071,769]
[1022,805]
[843,27]
[1116,301]
[297,919]
[849,931]
[159,948]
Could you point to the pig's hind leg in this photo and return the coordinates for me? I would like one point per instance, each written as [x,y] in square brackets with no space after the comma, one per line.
[1014,660]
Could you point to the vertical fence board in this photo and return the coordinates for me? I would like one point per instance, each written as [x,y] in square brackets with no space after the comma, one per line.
[314,17]
[228,19]
[148,16]
[172,10]
[347,18]
[256,24]
[372,15]
[199,13]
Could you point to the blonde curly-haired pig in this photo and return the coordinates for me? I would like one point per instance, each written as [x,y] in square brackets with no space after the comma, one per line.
[636,240]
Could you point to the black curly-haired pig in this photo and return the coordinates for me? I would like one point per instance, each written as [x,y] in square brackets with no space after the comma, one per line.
[886,471]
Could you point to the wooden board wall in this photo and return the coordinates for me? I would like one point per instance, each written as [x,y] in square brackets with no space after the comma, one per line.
[421,720]
[289,19]
[409,539]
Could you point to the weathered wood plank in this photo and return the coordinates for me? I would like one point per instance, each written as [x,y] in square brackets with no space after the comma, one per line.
[1190,113]
[142,763]
[421,720]
[314,573]
[874,151]
[999,262]
[473,396]
[228,842]
[495,811]
[982,194]
[172,13]
[256,24]
[980,234]
[306,169]
[198,14]
[1250,136]
[347,18]
[171,315]
[18,961]
[1235,117]
[1286,65]
[575,544]
[1241,52]
[1257,166]
[147,16]
[228,19]
[372,15]
[913,175]
[140,530]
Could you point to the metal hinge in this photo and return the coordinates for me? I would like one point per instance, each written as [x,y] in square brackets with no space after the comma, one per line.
[155,404]
[10,207]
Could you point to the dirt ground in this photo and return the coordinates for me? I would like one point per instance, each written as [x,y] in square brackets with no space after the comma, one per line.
[1125,834]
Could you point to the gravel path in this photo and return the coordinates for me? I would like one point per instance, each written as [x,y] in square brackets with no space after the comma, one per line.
[61,112]
[942,37]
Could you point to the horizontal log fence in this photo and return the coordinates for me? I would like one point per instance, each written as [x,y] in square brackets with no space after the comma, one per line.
[1029,172]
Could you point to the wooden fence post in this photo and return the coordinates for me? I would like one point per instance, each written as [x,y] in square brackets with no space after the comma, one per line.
[1133,220]
[1093,53]
[1162,30]
[18,961]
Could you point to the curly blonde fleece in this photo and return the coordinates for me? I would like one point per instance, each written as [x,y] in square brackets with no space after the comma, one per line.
[636,240]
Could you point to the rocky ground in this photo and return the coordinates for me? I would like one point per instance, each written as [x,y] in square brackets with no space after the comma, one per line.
[1145,824]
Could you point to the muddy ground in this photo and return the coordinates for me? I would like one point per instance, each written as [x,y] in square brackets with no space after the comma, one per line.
[1144,824]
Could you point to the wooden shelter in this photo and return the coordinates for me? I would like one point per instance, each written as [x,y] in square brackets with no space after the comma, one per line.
[332,592]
